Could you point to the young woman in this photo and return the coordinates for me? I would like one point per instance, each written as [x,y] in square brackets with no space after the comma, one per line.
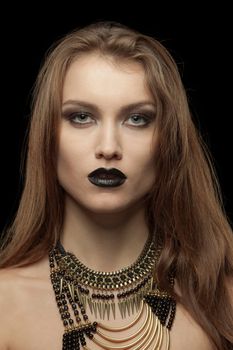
[120,240]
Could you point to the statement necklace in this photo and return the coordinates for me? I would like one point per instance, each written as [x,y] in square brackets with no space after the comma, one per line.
[126,292]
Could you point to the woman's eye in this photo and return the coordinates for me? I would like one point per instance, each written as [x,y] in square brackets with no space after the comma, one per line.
[79,118]
[138,119]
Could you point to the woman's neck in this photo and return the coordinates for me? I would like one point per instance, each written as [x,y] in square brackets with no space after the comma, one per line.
[104,242]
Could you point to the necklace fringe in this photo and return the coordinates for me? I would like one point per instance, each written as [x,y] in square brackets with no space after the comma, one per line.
[155,308]
[150,333]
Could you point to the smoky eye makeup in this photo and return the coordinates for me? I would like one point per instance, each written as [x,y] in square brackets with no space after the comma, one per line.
[148,116]
[69,113]
[138,118]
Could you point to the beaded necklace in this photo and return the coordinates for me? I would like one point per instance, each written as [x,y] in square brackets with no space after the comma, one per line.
[131,290]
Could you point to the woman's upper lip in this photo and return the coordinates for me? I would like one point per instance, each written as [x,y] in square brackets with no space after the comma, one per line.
[107,172]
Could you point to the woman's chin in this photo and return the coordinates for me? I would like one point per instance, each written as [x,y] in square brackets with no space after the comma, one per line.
[108,208]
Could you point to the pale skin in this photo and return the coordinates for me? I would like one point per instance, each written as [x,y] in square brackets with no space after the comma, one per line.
[103,224]
[104,228]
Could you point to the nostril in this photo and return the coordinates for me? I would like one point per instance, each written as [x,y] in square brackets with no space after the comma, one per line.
[109,155]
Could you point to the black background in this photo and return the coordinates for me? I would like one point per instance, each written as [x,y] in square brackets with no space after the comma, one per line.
[199,40]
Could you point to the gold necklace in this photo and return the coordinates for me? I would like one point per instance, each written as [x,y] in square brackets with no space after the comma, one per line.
[131,288]
[101,291]
[150,333]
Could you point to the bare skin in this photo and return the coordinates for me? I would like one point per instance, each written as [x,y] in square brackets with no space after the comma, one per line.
[32,320]
[108,120]
[114,125]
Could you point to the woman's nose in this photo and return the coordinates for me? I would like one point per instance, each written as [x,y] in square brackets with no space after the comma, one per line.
[108,143]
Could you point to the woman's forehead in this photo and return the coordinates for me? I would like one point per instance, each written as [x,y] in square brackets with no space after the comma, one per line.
[93,77]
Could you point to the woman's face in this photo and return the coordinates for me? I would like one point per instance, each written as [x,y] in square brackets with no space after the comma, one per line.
[108,121]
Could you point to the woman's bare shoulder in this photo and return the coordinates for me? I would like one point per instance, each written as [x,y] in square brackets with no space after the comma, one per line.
[9,280]
[186,332]
[13,282]
[8,284]
[16,286]
[17,279]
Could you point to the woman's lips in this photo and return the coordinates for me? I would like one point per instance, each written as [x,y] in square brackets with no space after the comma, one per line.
[103,177]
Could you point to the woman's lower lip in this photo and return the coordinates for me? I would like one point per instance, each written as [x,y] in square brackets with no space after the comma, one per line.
[106,182]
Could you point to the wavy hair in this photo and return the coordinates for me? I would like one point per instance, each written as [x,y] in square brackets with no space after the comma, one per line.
[184,204]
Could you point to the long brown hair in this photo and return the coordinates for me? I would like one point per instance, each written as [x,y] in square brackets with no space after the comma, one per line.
[185,202]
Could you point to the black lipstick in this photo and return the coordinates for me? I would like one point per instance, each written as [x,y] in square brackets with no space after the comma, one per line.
[107,177]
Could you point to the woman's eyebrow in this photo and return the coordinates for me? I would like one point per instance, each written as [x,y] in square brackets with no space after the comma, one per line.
[95,108]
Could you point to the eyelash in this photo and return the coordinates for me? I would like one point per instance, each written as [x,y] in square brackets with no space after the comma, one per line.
[146,118]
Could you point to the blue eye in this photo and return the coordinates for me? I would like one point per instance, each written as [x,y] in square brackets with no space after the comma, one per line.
[79,118]
[139,119]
